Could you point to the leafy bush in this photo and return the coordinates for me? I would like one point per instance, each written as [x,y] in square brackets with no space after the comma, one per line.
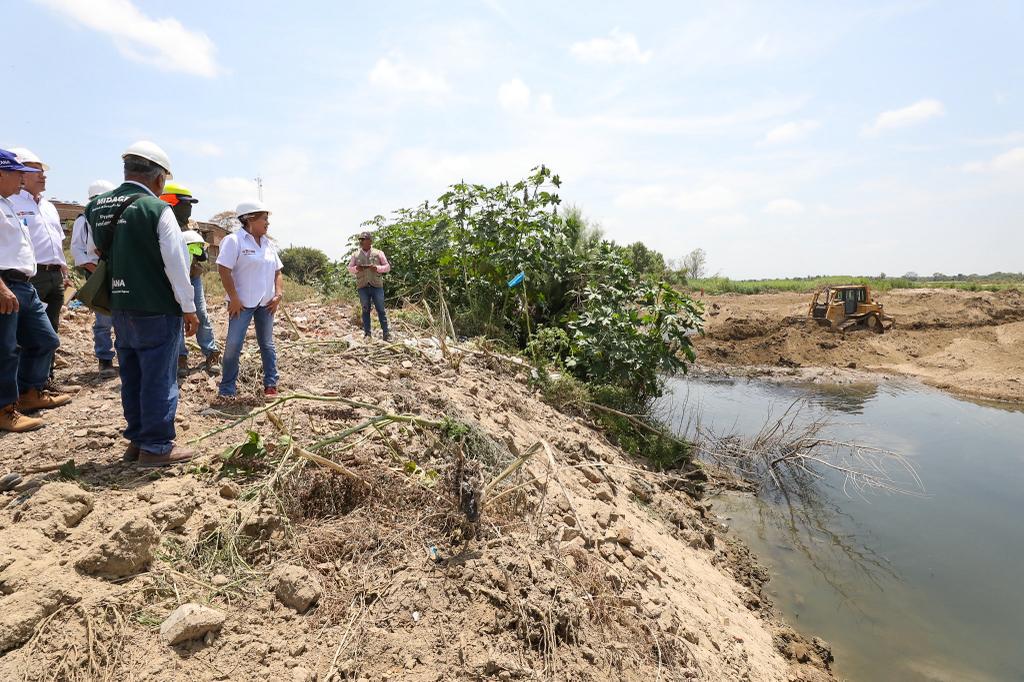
[304,264]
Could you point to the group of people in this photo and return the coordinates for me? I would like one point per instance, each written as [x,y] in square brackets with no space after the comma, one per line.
[153,258]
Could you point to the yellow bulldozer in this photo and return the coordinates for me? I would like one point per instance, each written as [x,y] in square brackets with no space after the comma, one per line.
[848,306]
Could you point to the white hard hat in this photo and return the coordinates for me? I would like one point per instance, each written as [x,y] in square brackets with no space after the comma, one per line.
[151,152]
[24,155]
[254,206]
[99,187]
[193,237]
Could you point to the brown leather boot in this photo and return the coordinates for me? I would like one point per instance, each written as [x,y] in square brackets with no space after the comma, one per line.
[15,422]
[177,455]
[131,453]
[34,399]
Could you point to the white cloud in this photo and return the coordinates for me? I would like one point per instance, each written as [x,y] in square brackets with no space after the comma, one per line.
[514,95]
[619,47]
[1005,162]
[783,207]
[396,74]
[162,43]
[209,149]
[916,113]
[790,132]
[708,198]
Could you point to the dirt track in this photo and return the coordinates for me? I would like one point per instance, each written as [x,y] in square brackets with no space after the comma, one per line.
[971,343]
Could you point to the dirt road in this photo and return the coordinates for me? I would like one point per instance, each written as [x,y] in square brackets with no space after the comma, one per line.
[970,343]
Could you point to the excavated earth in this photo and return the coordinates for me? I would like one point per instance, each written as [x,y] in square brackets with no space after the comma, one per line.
[387,559]
[969,343]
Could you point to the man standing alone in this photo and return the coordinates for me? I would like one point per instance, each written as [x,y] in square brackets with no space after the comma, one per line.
[148,265]
[86,260]
[368,264]
[27,340]
[47,233]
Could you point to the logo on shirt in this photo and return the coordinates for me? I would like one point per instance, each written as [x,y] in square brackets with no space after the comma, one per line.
[119,283]
[248,252]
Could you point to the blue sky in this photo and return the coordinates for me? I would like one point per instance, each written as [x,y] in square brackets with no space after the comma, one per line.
[783,138]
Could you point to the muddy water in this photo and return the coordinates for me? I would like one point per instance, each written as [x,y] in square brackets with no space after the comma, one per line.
[904,588]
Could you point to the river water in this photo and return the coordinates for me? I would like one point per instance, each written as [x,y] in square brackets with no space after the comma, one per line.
[903,587]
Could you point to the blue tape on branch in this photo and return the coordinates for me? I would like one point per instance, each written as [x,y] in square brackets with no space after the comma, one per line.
[517,280]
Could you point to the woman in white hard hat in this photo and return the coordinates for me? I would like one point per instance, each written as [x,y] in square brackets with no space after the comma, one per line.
[250,270]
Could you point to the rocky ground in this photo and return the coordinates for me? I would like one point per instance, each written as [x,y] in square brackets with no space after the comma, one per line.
[419,515]
[970,343]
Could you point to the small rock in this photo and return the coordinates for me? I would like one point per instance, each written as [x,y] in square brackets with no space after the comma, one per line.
[190,621]
[407,364]
[220,580]
[624,536]
[230,490]
[801,652]
[295,587]
[172,514]
[604,496]
[302,675]
[126,551]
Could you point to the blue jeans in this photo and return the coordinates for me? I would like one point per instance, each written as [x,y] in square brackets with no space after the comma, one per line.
[204,336]
[27,343]
[371,294]
[147,350]
[237,327]
[102,344]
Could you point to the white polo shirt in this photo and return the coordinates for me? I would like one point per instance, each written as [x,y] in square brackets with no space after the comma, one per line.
[43,226]
[253,266]
[15,243]
[80,249]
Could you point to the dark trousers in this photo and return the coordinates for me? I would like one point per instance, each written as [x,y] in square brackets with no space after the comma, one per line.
[375,295]
[147,352]
[49,285]
[27,342]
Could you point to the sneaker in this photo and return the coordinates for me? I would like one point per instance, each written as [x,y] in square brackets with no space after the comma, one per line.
[270,391]
[182,366]
[131,453]
[15,422]
[212,366]
[177,455]
[34,399]
[107,369]
[387,336]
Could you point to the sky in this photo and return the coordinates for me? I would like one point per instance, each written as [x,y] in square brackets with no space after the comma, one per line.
[783,138]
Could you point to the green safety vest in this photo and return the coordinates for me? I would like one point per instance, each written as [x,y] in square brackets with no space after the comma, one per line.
[132,251]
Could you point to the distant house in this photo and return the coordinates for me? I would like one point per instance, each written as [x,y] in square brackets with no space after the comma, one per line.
[68,212]
[213,234]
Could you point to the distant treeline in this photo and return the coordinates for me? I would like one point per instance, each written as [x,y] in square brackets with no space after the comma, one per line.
[996,281]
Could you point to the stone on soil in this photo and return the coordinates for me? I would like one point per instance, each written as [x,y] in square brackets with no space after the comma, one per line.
[295,587]
[126,551]
[64,503]
[190,621]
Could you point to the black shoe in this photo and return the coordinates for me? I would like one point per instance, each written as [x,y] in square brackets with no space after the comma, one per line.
[131,453]
[367,336]
[107,369]
[387,336]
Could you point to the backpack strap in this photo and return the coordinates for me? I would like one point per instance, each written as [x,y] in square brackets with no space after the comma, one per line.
[117,218]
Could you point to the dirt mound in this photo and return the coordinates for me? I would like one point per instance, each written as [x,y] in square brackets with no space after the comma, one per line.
[418,516]
[967,342]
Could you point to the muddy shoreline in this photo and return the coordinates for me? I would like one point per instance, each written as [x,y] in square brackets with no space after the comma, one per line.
[970,344]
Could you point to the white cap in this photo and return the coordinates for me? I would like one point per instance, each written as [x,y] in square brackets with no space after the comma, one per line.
[24,155]
[193,237]
[254,206]
[151,152]
[99,187]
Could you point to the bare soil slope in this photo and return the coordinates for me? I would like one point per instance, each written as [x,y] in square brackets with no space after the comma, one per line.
[965,342]
[382,562]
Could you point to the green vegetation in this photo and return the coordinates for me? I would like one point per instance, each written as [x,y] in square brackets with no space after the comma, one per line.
[723,285]
[304,264]
[587,308]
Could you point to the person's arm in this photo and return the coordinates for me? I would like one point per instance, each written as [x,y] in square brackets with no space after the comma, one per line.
[384,267]
[176,258]
[8,301]
[90,246]
[352,268]
[278,291]
[79,252]
[226,260]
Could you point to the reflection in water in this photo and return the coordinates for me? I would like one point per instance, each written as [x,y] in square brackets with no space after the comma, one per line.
[905,588]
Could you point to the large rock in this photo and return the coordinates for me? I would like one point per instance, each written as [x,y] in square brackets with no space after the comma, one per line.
[21,612]
[295,587]
[58,506]
[190,621]
[126,551]
[172,514]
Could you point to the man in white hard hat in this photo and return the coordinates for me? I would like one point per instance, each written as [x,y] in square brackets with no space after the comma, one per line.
[47,234]
[85,260]
[27,339]
[150,292]
[181,201]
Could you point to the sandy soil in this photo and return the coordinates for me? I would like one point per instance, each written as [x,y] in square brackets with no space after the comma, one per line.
[582,565]
[970,343]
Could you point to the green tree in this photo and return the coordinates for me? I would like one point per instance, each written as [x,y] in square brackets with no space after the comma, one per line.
[304,264]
